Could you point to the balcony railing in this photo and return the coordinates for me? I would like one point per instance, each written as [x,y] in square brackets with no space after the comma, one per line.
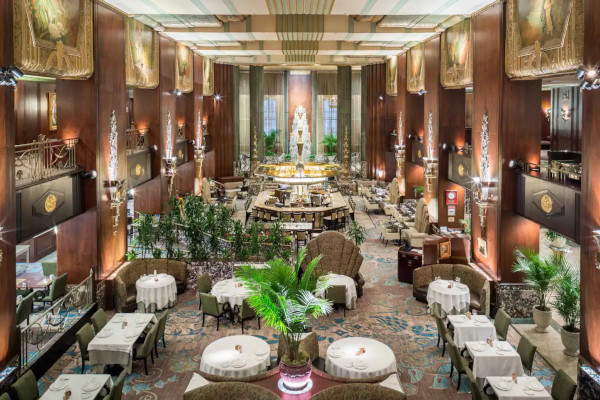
[44,158]
[136,140]
[558,171]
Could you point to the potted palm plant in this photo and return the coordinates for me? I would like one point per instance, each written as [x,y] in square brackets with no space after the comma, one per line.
[329,142]
[357,233]
[566,304]
[542,275]
[286,303]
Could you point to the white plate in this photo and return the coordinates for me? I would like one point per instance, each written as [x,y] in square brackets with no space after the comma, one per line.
[335,347]
[238,363]
[64,377]
[335,354]
[225,364]
[535,388]
[144,278]
[86,395]
[90,386]
[360,365]
[261,352]
[478,348]
[348,364]
[502,386]
[104,333]
[130,335]
[163,275]
[58,385]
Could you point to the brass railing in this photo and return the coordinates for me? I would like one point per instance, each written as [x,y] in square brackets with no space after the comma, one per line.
[44,158]
[559,171]
[46,328]
[136,140]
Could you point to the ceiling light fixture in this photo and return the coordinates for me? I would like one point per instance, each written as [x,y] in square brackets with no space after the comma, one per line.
[9,76]
[177,92]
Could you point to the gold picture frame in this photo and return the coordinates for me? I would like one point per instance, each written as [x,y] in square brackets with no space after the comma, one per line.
[52,121]
[456,62]
[208,76]
[141,55]
[391,75]
[184,68]
[54,38]
[415,68]
[543,39]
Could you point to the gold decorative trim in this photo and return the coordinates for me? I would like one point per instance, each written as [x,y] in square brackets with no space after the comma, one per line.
[208,76]
[457,75]
[546,204]
[549,58]
[44,56]
[415,81]
[133,70]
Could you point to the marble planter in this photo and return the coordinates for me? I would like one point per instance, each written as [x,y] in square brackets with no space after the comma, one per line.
[571,342]
[542,319]
[559,242]
[295,378]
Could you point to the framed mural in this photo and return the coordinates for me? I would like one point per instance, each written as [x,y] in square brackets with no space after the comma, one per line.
[543,37]
[416,69]
[54,37]
[184,69]
[52,122]
[141,55]
[208,77]
[457,55]
[391,73]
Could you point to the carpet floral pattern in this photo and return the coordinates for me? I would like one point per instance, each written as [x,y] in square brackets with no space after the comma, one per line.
[387,312]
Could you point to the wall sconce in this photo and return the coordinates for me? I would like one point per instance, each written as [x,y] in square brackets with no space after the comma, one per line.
[177,92]
[180,132]
[596,236]
[590,77]
[421,92]
[170,161]
[565,113]
[91,174]
[114,186]
[401,147]
[548,112]
[430,167]
[379,174]
[482,188]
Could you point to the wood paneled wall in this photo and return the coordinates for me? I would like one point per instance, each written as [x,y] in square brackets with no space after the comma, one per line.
[300,94]
[77,253]
[31,107]
[590,195]
[546,104]
[513,135]
[146,114]
[566,134]
[9,338]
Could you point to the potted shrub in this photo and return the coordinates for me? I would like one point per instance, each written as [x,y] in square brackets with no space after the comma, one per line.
[542,275]
[329,142]
[271,142]
[357,233]
[555,239]
[286,303]
[566,304]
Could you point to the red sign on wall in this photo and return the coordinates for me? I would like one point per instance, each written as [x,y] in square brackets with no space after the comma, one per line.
[451,197]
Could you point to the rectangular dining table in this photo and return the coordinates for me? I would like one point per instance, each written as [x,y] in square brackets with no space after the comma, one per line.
[117,347]
[493,362]
[76,383]
[519,390]
[474,329]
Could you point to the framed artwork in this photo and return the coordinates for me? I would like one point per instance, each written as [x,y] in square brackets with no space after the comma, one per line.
[141,55]
[208,77]
[482,247]
[54,37]
[543,37]
[457,55]
[391,72]
[52,123]
[184,68]
[445,250]
[416,69]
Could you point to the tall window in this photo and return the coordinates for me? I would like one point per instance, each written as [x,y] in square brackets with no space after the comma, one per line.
[330,115]
[270,112]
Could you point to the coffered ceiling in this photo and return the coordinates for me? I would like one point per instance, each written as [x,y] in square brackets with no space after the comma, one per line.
[300,32]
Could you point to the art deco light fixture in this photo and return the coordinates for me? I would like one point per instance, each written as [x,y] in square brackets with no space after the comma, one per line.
[401,147]
[199,150]
[114,186]
[596,236]
[430,162]
[170,161]
[482,188]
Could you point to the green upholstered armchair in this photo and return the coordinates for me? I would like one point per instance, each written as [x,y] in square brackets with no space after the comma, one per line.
[49,268]
[212,307]
[25,388]
[458,362]
[563,387]
[230,390]
[4,396]
[244,313]
[502,323]
[204,286]
[146,349]
[24,309]
[57,290]
[84,336]
[476,393]
[160,332]
[526,350]
[337,295]
[359,391]
[116,391]
[99,320]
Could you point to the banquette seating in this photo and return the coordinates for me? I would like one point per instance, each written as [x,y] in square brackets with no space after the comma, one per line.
[340,256]
[124,282]
[417,230]
[478,284]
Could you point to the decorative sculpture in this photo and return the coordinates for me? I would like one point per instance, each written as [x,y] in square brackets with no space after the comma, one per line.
[300,133]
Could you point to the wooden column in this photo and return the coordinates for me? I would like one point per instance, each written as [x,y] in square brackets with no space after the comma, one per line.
[9,337]
[565,134]
[344,110]
[513,134]
[257,116]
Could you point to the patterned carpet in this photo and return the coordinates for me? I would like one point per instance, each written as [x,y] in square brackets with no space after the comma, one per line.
[387,312]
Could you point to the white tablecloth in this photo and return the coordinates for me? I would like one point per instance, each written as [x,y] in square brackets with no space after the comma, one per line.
[454,300]
[75,383]
[335,279]
[117,348]
[227,291]
[478,328]
[517,390]
[342,357]
[220,357]
[492,362]
[153,295]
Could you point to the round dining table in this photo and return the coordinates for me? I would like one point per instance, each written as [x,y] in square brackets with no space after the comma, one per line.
[230,291]
[155,292]
[358,357]
[452,297]
[236,356]
[342,280]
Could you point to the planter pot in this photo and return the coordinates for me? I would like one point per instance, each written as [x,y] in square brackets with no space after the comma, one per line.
[542,319]
[559,242]
[571,342]
[295,377]
[331,159]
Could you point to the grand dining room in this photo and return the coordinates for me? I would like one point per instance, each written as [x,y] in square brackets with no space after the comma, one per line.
[299,199]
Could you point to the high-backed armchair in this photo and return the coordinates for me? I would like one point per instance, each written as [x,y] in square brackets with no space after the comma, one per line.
[417,230]
[340,256]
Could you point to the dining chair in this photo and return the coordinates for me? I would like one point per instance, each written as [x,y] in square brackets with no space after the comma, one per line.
[309,217]
[341,220]
[24,309]
[267,217]
[337,295]
[244,313]
[212,307]
[287,217]
[442,332]
[297,217]
[145,349]
[204,286]
[476,393]
[254,214]
[502,323]
[563,387]
[116,391]
[57,289]
[49,268]
[261,215]
[301,236]
[4,396]
[331,221]
[526,350]
[25,388]
[160,332]
[230,390]
[99,320]
[84,336]
[458,362]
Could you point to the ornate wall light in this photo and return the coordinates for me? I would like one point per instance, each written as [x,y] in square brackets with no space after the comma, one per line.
[430,162]
[1,254]
[548,112]
[199,150]
[596,236]
[482,187]
[400,147]
[170,161]
[115,186]
[565,113]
